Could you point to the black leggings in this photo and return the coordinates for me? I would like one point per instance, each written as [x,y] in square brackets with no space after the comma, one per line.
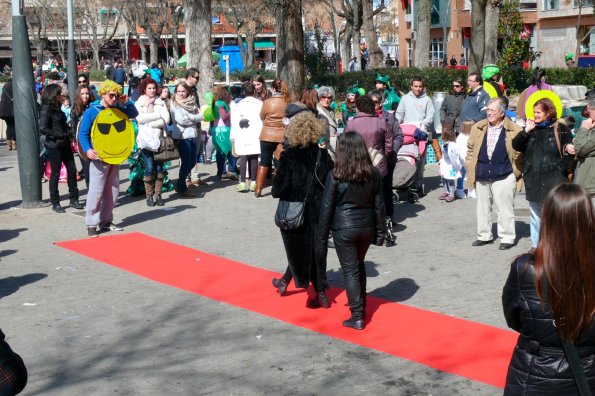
[250,161]
[266,153]
[57,156]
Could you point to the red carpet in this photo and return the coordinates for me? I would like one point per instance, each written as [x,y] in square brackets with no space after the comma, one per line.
[472,350]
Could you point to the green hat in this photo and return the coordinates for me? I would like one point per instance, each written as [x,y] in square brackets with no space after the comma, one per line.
[569,56]
[354,90]
[382,79]
[489,71]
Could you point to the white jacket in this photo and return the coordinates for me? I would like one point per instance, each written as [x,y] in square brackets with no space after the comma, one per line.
[451,162]
[185,123]
[246,126]
[151,126]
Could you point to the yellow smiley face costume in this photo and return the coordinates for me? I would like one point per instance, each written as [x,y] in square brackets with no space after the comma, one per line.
[112,135]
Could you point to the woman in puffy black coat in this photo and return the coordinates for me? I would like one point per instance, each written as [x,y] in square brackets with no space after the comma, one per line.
[52,125]
[452,104]
[297,166]
[353,208]
[543,158]
[565,260]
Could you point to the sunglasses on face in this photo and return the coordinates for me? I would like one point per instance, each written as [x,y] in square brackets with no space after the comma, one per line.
[119,126]
[113,96]
[326,97]
[457,85]
[82,81]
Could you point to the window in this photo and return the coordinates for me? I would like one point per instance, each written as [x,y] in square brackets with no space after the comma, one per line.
[435,12]
[549,5]
[585,3]
[436,52]
[467,5]
[528,5]
[409,53]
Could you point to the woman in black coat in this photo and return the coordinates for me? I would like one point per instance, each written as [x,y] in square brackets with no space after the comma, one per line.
[7,114]
[565,261]
[353,208]
[544,154]
[52,124]
[452,104]
[297,167]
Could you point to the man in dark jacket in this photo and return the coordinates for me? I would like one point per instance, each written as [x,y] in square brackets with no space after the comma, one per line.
[493,168]
[120,75]
[474,105]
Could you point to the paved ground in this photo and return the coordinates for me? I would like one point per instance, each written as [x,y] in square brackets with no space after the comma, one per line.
[86,328]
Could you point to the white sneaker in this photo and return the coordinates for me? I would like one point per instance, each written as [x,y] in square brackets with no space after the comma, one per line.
[471,194]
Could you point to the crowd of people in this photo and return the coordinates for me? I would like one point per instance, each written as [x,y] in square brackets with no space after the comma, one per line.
[342,170]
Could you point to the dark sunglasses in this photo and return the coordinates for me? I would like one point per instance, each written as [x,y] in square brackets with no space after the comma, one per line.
[457,85]
[113,96]
[82,81]
[119,126]
[326,97]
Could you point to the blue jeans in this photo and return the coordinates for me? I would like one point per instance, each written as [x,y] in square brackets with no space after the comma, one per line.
[151,166]
[461,180]
[231,161]
[187,149]
[449,186]
[535,221]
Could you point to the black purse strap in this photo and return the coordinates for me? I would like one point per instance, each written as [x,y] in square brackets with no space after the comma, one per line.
[570,352]
[312,175]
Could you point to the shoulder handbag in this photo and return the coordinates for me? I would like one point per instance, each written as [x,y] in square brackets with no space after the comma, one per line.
[567,163]
[290,215]
[168,149]
[571,353]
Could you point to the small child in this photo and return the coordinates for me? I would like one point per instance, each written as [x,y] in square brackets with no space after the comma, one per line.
[66,107]
[462,140]
[450,164]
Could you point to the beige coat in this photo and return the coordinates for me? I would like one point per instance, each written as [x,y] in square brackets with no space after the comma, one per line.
[476,137]
[272,114]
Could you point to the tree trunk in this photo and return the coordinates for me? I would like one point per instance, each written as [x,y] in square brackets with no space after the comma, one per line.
[422,42]
[197,18]
[144,52]
[290,46]
[577,51]
[154,47]
[346,45]
[478,14]
[250,50]
[356,35]
[96,56]
[492,18]
[243,51]
[336,41]
[374,50]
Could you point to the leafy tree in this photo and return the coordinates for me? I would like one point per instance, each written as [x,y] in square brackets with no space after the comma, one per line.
[513,48]
[315,59]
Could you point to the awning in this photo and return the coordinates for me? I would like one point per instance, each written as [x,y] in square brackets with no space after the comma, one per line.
[264,45]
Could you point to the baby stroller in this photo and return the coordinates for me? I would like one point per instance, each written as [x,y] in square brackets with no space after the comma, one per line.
[409,160]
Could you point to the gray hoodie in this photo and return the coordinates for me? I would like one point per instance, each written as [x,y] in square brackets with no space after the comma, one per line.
[416,109]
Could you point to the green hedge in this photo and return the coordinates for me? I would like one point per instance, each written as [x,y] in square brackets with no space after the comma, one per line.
[438,79]
[99,75]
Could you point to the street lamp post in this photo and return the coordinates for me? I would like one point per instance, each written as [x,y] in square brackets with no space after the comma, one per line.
[72,70]
[25,110]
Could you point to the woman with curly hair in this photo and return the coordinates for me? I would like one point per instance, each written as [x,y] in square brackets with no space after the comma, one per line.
[303,163]
[53,125]
[353,208]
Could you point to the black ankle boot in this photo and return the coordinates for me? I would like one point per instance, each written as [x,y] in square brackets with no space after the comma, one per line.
[76,204]
[320,301]
[281,285]
[150,201]
[357,324]
[58,209]
[159,200]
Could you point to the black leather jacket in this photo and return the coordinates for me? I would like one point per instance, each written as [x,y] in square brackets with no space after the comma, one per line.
[350,205]
[53,125]
[543,164]
[538,365]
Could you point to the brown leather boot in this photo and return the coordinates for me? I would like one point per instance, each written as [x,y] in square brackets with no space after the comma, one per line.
[9,144]
[261,177]
[158,188]
[436,147]
[149,189]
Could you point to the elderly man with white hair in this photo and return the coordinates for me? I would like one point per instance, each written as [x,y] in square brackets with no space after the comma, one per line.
[493,168]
